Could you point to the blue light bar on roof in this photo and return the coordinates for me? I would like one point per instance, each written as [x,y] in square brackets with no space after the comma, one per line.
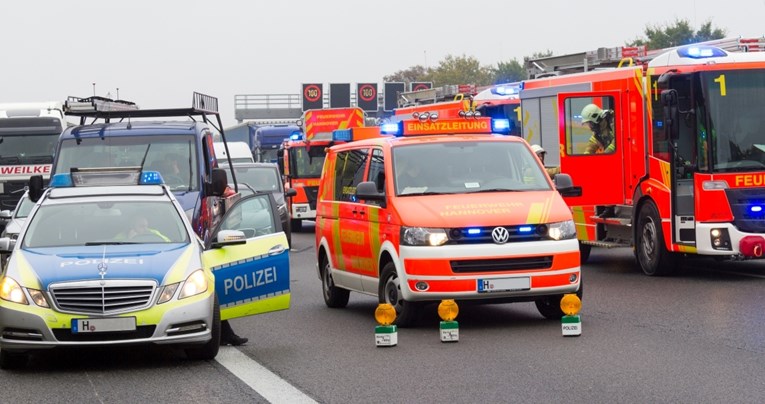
[61,181]
[342,135]
[506,89]
[150,178]
[500,126]
[296,135]
[701,52]
[395,129]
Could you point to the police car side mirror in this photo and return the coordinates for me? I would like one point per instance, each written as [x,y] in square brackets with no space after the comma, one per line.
[7,244]
[565,185]
[367,190]
[5,215]
[229,237]
[290,192]
[35,187]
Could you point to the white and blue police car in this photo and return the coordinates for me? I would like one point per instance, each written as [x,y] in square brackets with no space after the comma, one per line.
[108,257]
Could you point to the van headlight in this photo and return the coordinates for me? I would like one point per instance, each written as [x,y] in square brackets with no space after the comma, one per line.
[195,284]
[423,236]
[562,230]
[11,291]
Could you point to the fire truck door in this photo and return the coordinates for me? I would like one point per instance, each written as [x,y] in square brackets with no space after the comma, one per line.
[591,146]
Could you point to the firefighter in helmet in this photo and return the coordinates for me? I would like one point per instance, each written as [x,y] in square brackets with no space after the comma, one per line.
[540,152]
[600,123]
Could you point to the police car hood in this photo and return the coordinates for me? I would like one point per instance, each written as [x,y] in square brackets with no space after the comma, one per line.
[67,264]
[482,209]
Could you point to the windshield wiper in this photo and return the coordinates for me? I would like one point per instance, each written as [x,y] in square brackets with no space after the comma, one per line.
[427,193]
[495,190]
[109,243]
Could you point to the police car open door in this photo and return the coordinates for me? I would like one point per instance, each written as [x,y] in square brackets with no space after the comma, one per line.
[252,277]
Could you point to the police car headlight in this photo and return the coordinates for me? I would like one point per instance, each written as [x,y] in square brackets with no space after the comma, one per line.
[195,284]
[11,291]
[562,230]
[167,293]
[423,236]
[38,297]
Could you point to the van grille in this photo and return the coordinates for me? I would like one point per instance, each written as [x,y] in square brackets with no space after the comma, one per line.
[502,264]
[113,297]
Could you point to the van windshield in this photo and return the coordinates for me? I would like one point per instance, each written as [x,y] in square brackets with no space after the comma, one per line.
[466,167]
[172,156]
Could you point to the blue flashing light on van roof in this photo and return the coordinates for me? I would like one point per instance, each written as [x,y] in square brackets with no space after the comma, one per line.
[500,126]
[507,89]
[342,135]
[296,135]
[701,52]
[391,129]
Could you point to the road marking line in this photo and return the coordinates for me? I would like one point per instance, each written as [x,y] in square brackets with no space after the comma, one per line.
[272,387]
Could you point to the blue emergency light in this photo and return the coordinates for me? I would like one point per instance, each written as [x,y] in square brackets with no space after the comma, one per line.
[525,229]
[701,52]
[296,135]
[61,181]
[342,135]
[755,209]
[507,89]
[500,126]
[395,129]
[474,231]
[150,178]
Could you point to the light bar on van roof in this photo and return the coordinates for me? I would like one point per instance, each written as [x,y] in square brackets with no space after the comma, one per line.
[447,126]
[105,177]
[701,52]
[342,135]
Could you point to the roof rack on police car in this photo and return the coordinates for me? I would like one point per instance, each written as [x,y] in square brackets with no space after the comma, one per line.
[107,109]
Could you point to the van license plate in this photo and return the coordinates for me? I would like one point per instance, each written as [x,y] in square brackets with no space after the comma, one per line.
[503,284]
[86,325]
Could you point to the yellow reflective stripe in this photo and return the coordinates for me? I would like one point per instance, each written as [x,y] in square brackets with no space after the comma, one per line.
[535,213]
[215,258]
[686,249]
[374,236]
[664,167]
[178,272]
[581,224]
[337,245]
[281,302]
[28,276]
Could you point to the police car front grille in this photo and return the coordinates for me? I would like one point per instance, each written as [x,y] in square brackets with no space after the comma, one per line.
[113,297]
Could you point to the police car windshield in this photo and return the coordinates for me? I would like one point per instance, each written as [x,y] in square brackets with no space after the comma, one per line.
[172,156]
[466,167]
[93,223]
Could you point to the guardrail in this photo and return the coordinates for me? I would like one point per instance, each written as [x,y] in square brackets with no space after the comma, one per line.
[267,101]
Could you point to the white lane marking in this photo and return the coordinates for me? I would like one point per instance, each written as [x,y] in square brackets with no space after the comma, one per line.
[272,387]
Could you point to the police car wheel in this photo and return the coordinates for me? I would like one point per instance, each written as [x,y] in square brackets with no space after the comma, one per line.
[390,292]
[333,296]
[12,360]
[209,350]
[650,251]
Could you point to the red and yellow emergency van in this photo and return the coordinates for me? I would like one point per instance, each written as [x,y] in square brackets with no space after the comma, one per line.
[444,209]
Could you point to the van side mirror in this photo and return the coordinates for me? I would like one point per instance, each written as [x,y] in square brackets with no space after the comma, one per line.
[290,192]
[671,113]
[565,185]
[367,190]
[35,187]
[219,182]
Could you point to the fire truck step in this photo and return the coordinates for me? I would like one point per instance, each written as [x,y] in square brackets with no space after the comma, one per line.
[618,221]
[605,244]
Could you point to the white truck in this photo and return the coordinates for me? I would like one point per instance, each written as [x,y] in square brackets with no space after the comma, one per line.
[28,136]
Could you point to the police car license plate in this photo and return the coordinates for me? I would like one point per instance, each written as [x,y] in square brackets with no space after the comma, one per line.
[503,284]
[84,325]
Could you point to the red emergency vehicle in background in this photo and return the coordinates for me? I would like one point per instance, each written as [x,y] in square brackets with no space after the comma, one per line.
[302,157]
[687,171]
[454,101]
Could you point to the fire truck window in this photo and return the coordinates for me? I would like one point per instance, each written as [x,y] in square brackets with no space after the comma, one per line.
[590,125]
[349,172]
[377,173]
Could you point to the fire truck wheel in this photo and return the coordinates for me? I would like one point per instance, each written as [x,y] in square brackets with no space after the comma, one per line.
[296,225]
[390,292]
[12,360]
[584,253]
[651,254]
[333,296]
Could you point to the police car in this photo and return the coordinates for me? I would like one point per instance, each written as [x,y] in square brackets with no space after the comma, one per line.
[103,263]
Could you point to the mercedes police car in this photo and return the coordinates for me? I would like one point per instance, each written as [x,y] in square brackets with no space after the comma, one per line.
[102,263]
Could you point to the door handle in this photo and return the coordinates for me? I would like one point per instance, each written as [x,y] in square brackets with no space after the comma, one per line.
[276,250]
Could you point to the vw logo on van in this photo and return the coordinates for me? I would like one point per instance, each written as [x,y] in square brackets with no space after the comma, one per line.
[500,235]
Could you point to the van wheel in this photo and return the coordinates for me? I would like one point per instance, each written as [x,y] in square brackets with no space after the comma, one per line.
[549,306]
[296,225]
[584,253]
[390,292]
[334,296]
[209,350]
[13,360]
[650,251]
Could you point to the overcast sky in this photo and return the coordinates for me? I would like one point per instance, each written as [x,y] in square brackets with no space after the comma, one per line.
[157,52]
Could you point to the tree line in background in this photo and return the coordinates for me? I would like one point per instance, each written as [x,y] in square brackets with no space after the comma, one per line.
[468,70]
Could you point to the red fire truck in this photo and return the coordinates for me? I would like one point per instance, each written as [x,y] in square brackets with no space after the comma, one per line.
[685,173]
[302,157]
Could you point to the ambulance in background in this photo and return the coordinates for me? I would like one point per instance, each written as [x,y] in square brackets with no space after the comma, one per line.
[302,157]
[444,209]
[28,136]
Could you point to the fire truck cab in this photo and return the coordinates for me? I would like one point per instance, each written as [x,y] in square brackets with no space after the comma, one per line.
[685,172]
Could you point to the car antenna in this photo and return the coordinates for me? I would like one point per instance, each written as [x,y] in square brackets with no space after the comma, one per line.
[143,160]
